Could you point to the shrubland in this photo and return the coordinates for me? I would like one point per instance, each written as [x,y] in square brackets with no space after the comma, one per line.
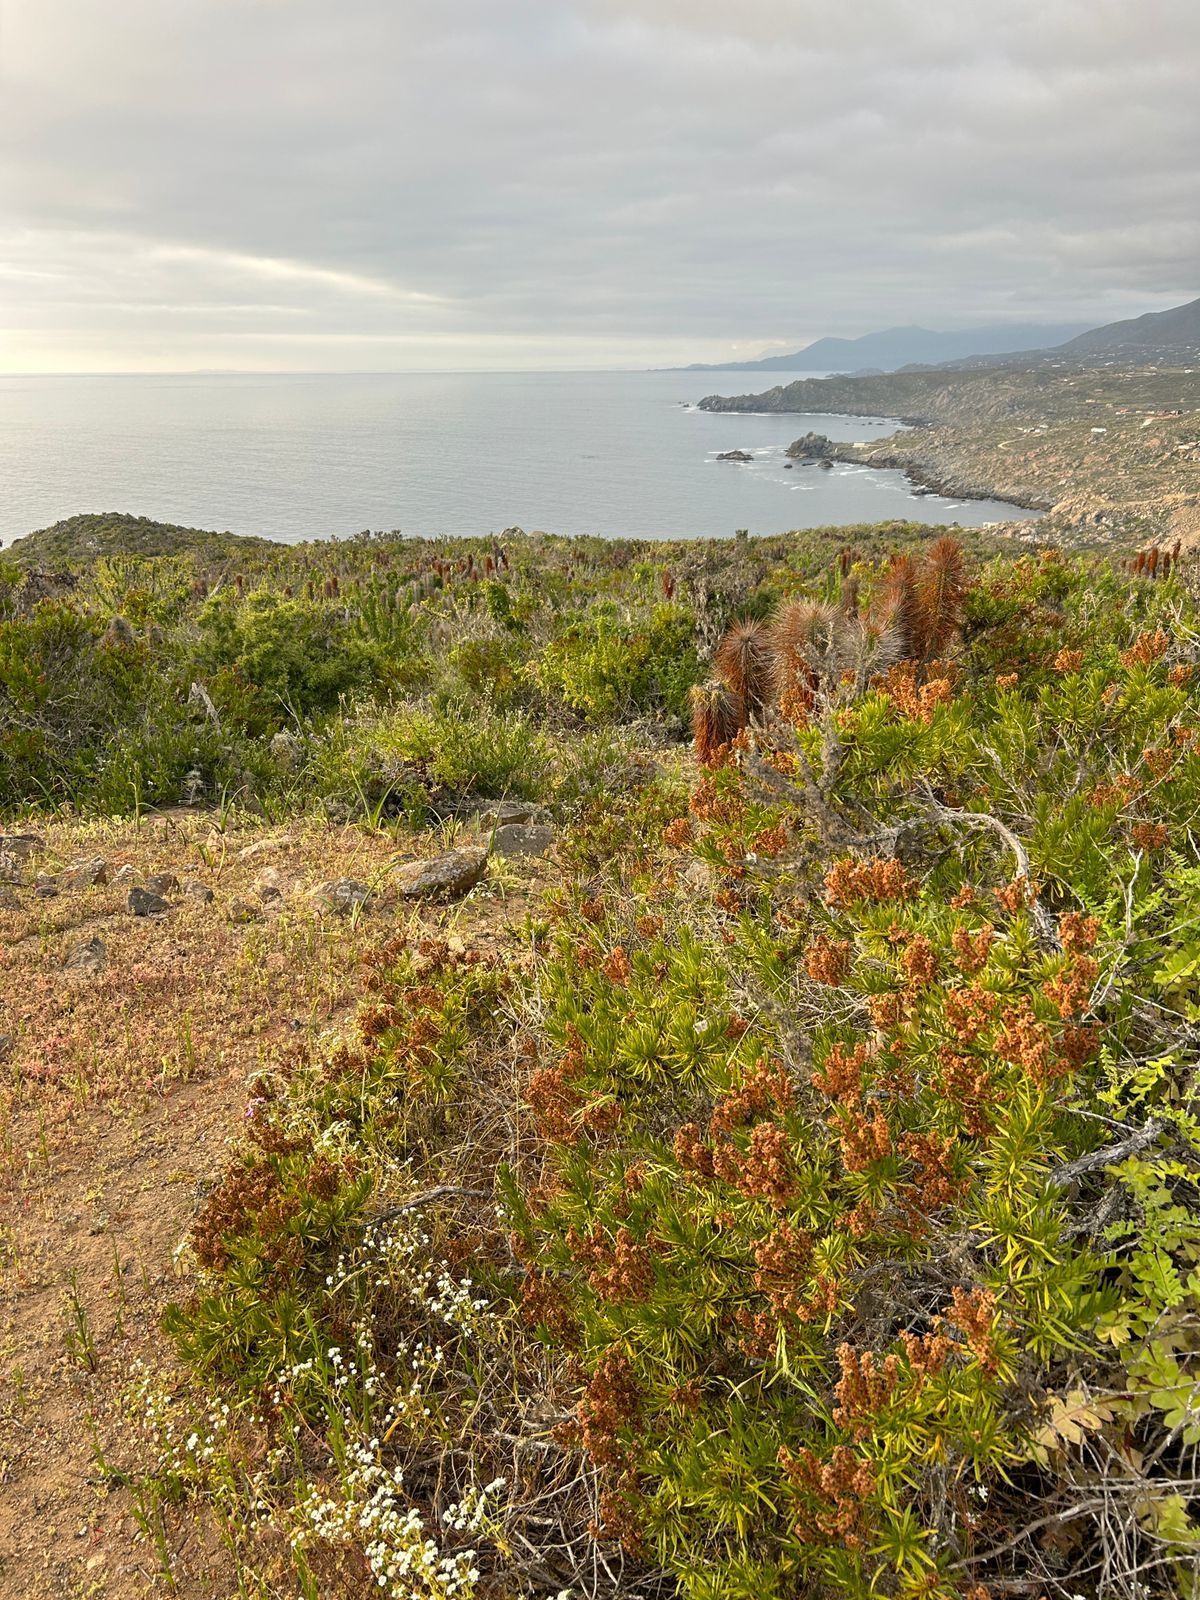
[802,1199]
[398,674]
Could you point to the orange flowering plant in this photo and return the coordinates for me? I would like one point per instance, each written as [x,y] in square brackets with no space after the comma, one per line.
[866,1165]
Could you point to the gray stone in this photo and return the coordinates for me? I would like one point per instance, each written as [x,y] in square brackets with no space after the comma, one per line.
[10,900]
[271,884]
[46,885]
[89,955]
[85,874]
[443,877]
[7,1044]
[286,750]
[17,851]
[145,903]
[811,447]
[123,873]
[523,839]
[193,889]
[342,895]
[162,884]
[499,813]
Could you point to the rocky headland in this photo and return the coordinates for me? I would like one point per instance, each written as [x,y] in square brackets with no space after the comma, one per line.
[1106,454]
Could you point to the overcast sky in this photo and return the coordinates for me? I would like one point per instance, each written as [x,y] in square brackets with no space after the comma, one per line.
[386,184]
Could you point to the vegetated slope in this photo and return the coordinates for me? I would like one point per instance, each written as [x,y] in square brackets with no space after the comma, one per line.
[1168,338]
[374,673]
[93,534]
[1176,330]
[804,1199]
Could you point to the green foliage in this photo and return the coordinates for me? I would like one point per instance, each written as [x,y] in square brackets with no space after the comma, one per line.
[76,707]
[876,1178]
[605,668]
[854,1183]
[276,659]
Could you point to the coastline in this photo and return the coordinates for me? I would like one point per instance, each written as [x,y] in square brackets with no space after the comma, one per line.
[1106,454]
[932,476]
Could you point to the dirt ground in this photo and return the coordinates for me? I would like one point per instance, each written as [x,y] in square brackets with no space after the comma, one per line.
[123,1082]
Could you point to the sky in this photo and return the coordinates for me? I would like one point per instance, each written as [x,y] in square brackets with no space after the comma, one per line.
[350,185]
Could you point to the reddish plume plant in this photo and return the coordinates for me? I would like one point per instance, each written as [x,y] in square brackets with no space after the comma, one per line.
[718,716]
[939,594]
[746,664]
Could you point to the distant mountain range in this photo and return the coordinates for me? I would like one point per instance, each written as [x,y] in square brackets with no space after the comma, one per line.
[901,347]
[1159,336]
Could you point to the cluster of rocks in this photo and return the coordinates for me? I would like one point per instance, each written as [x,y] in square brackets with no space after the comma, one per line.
[504,828]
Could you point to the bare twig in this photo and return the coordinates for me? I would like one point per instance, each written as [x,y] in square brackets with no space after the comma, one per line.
[427,1197]
[1109,1156]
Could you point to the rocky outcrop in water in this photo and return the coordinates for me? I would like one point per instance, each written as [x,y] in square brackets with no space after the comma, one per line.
[812,447]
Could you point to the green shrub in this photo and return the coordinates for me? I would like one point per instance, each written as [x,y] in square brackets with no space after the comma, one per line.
[605,668]
[871,1199]
[275,659]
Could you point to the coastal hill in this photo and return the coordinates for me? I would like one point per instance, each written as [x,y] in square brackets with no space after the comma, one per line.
[1170,337]
[93,534]
[892,348]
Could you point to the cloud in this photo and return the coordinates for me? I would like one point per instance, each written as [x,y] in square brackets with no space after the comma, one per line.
[466,179]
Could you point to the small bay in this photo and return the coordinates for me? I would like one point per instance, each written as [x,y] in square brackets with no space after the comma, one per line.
[314,456]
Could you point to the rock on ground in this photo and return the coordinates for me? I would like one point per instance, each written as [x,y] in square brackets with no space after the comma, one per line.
[85,874]
[271,884]
[342,895]
[523,839]
[17,850]
[499,813]
[145,903]
[443,877]
[89,955]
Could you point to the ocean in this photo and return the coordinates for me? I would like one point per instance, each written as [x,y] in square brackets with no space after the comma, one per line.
[298,457]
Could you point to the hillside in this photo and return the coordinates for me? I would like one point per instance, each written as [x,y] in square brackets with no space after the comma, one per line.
[900,347]
[1159,334]
[1168,338]
[94,534]
[542,1067]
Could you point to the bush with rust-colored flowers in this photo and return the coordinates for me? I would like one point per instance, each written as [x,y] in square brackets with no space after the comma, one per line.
[849,880]
[932,1185]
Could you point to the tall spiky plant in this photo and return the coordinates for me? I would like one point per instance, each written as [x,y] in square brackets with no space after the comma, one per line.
[745,663]
[807,640]
[897,608]
[718,716]
[940,590]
